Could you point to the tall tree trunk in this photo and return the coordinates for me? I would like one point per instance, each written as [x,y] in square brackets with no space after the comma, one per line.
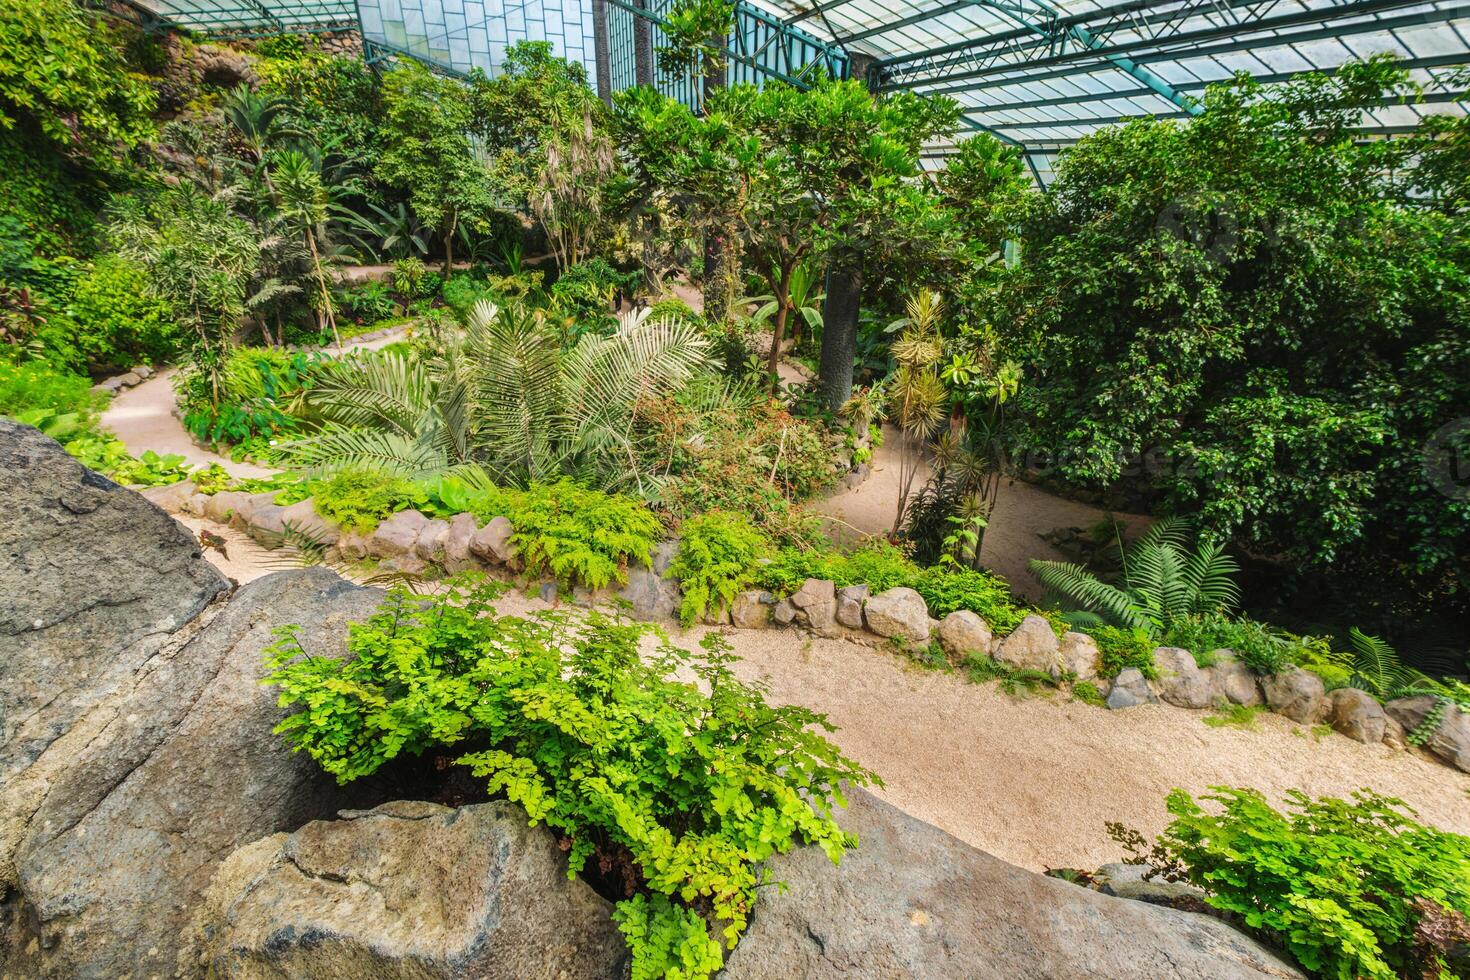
[449,225]
[840,329]
[716,295]
[782,291]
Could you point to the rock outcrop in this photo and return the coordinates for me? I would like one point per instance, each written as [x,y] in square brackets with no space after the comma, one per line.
[94,581]
[1296,693]
[912,901]
[407,890]
[898,614]
[1032,646]
[1450,739]
[137,743]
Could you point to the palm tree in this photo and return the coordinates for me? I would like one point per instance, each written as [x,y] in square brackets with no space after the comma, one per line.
[304,202]
[259,123]
[1163,581]
[507,396]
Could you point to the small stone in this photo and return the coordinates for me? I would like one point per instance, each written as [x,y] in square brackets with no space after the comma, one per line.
[1130,689]
[354,546]
[1128,881]
[1181,682]
[457,557]
[817,598]
[430,543]
[492,542]
[193,504]
[783,613]
[899,613]
[963,633]
[404,564]
[143,371]
[1356,714]
[1033,645]
[230,504]
[267,524]
[170,497]
[1080,656]
[128,379]
[1234,681]
[1393,734]
[651,593]
[850,599]
[751,610]
[303,520]
[1295,693]
[547,592]
[398,534]
[1450,741]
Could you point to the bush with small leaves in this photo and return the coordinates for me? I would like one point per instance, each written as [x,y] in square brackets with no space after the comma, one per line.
[689,785]
[717,559]
[1355,890]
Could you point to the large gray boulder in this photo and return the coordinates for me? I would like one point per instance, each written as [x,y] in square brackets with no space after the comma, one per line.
[110,836]
[1033,645]
[1356,714]
[912,901]
[407,890]
[94,581]
[1236,682]
[850,599]
[963,633]
[1181,682]
[1079,656]
[1296,693]
[898,614]
[751,609]
[1129,690]
[1450,740]
[817,601]
[397,535]
[651,593]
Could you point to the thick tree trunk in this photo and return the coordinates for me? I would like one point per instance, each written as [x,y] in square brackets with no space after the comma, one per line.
[839,330]
[448,247]
[778,333]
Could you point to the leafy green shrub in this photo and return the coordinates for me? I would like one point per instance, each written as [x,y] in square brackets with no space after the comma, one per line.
[1235,716]
[1088,693]
[413,280]
[671,309]
[259,390]
[687,790]
[588,289]
[946,590]
[462,292]
[881,566]
[116,319]
[716,560]
[1262,649]
[582,536]
[36,384]
[361,499]
[1122,649]
[367,302]
[1352,889]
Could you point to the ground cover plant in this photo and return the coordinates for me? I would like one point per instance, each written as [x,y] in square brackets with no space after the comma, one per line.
[1351,888]
[683,788]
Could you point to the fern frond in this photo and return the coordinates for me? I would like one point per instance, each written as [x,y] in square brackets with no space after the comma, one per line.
[1088,592]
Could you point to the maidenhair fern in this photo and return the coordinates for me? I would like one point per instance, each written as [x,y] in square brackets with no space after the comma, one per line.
[689,783]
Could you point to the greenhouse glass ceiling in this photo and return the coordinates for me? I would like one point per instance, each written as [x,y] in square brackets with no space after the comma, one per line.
[1038,73]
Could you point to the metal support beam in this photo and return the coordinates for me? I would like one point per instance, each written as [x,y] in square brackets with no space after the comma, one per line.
[983,57]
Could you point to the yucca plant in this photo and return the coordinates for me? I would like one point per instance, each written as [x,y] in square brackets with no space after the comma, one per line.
[508,396]
[1164,580]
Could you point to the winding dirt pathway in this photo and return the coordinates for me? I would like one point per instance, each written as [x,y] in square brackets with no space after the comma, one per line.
[144,417]
[1032,781]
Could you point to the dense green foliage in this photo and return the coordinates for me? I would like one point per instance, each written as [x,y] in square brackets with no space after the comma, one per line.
[361,499]
[1186,293]
[716,561]
[1353,890]
[582,536]
[686,790]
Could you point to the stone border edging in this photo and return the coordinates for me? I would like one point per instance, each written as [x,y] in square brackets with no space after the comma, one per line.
[410,542]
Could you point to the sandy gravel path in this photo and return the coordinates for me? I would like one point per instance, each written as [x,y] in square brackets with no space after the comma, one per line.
[1023,512]
[1031,781]
[143,417]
